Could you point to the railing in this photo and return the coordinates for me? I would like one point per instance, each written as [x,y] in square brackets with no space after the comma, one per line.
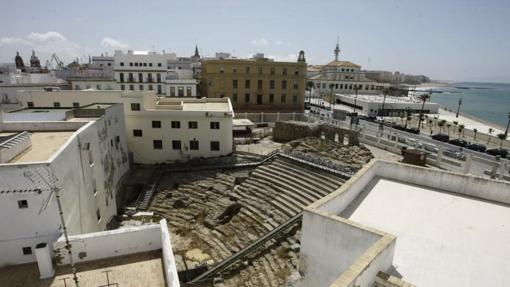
[317,162]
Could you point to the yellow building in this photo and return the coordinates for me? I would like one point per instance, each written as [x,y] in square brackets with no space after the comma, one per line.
[256,85]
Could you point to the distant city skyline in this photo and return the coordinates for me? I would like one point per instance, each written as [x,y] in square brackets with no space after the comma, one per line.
[445,40]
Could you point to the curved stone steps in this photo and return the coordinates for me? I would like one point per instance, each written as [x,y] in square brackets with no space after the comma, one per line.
[329,179]
[287,195]
[282,205]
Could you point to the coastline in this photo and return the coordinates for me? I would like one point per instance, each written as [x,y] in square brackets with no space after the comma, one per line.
[471,121]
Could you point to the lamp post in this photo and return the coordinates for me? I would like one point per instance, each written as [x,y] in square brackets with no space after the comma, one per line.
[355,97]
[331,86]
[507,125]
[458,108]
[385,92]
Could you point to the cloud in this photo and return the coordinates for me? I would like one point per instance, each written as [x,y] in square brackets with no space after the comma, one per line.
[279,42]
[262,42]
[46,37]
[5,41]
[113,43]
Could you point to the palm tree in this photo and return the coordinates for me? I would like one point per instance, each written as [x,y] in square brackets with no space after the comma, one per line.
[475,131]
[461,129]
[309,85]
[401,116]
[430,125]
[423,98]
[491,130]
[501,138]
[408,118]
[448,125]
[441,124]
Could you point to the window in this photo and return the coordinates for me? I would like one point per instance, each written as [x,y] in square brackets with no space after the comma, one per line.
[193,125]
[130,78]
[156,124]
[145,64]
[122,87]
[22,203]
[234,70]
[27,250]
[140,77]
[188,92]
[77,87]
[172,91]
[284,85]
[271,84]
[234,84]
[271,98]
[176,145]
[222,70]
[76,105]
[294,99]
[259,84]
[131,87]
[193,145]
[272,71]
[283,98]
[121,64]
[158,77]
[159,89]
[157,144]
[30,104]
[247,70]
[159,64]
[140,87]
[234,97]
[215,125]
[259,99]
[180,91]
[56,104]
[247,98]
[121,77]
[259,70]
[215,146]
[150,88]
[137,133]
[296,72]
[98,87]
[284,71]
[295,85]
[247,84]
[176,124]
[136,64]
[149,78]
[135,106]
[130,64]
[150,64]
[98,214]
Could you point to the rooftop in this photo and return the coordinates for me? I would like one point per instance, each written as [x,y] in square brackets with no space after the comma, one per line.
[343,64]
[443,239]
[44,145]
[141,269]
[207,105]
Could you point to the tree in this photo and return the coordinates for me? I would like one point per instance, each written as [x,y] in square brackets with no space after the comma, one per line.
[491,130]
[448,125]
[430,125]
[475,131]
[461,129]
[501,138]
[401,116]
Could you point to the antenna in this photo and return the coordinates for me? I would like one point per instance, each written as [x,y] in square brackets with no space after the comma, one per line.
[51,182]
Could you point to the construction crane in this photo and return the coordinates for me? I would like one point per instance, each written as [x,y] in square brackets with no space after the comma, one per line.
[57,60]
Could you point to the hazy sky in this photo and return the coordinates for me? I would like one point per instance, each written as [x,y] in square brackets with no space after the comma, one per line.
[450,40]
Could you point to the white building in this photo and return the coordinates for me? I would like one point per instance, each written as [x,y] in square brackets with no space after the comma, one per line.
[343,77]
[377,105]
[80,153]
[159,130]
[180,83]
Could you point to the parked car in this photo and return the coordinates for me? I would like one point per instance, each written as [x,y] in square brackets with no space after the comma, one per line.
[454,154]
[430,147]
[458,142]
[477,147]
[441,137]
[496,151]
[412,130]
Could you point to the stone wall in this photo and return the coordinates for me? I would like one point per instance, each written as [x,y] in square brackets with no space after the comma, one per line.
[285,131]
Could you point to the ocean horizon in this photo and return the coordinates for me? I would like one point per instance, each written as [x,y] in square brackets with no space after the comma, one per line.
[489,102]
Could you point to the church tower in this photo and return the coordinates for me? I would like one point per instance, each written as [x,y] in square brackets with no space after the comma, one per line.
[337,49]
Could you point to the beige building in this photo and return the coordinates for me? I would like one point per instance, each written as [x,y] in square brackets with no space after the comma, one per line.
[256,85]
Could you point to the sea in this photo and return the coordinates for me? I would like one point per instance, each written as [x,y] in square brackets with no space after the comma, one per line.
[486,101]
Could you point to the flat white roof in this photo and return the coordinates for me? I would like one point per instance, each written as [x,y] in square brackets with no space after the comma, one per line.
[443,239]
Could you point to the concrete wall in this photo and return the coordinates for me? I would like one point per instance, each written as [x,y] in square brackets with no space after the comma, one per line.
[106,244]
[9,152]
[42,126]
[291,130]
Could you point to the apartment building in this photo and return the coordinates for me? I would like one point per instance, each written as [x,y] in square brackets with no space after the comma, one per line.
[78,156]
[158,129]
[256,85]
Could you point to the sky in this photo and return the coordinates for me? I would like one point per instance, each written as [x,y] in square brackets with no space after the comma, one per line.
[457,40]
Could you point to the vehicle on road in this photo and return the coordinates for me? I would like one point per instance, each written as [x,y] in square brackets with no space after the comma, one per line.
[458,142]
[454,154]
[503,153]
[441,137]
[476,147]
[430,147]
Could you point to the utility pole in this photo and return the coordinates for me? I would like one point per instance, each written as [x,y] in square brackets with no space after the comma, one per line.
[355,97]
[458,108]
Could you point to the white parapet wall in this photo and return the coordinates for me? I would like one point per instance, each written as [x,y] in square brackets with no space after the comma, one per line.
[120,242]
